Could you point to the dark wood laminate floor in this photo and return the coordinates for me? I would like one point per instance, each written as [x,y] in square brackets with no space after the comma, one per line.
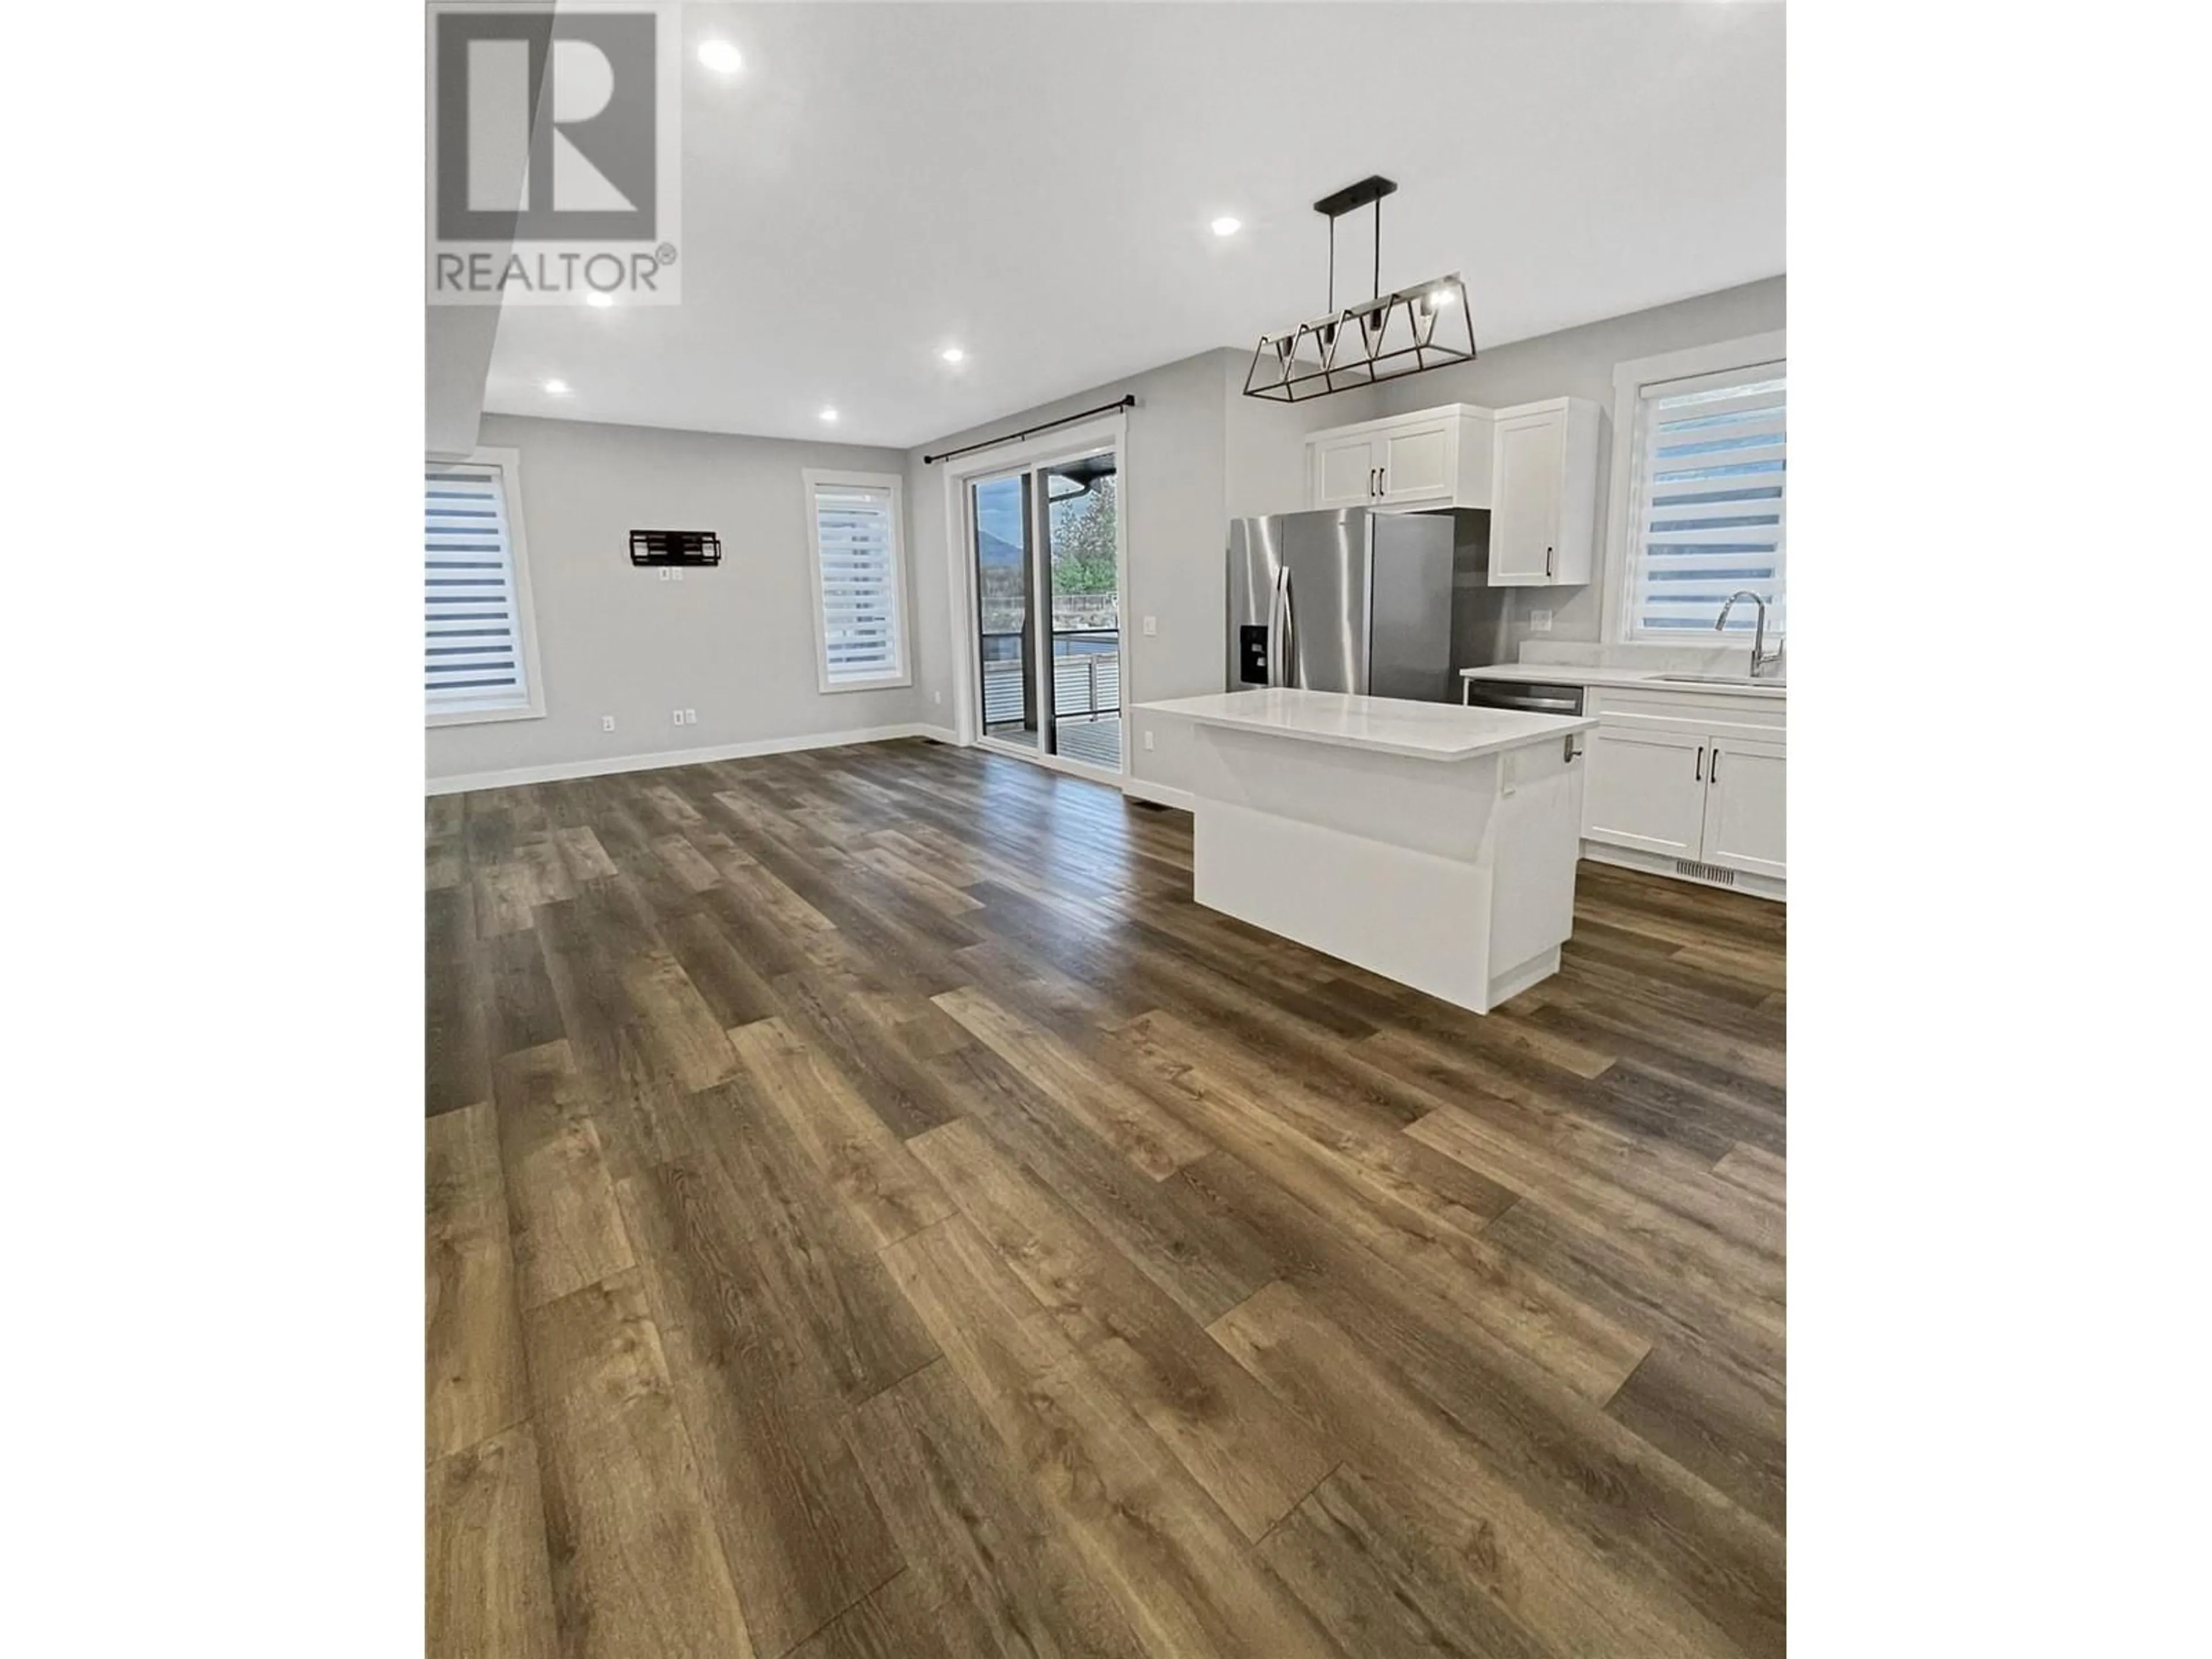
[874,1211]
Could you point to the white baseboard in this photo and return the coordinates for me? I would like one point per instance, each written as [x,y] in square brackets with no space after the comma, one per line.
[459,782]
[1160,794]
[1657,864]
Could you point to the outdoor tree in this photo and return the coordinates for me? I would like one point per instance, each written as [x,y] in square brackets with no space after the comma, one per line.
[1083,536]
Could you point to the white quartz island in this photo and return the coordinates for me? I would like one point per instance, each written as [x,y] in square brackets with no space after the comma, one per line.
[1430,843]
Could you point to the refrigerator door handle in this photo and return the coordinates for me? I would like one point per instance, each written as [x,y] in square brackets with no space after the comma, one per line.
[1282,632]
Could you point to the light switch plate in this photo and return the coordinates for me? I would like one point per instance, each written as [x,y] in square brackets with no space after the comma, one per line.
[1151,625]
[1148,740]
[606,722]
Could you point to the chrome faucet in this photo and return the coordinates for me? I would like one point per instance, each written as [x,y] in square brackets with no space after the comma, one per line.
[1760,660]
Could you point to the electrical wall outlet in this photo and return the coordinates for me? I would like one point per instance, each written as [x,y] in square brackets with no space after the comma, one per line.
[666,573]
[690,717]
[1151,625]
[1148,739]
[675,717]
[606,722]
[677,574]
[1539,622]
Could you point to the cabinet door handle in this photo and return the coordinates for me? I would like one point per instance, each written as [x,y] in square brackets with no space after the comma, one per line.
[1701,763]
[1714,775]
[1547,562]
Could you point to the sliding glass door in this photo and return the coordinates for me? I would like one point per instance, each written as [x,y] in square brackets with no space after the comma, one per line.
[1082,572]
[1046,543]
[1006,610]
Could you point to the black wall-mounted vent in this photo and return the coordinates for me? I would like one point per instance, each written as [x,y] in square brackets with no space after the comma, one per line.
[675,547]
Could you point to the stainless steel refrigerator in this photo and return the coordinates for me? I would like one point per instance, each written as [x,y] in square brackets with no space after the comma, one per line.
[1348,600]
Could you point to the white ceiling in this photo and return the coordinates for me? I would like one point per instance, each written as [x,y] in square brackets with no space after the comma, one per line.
[1035,182]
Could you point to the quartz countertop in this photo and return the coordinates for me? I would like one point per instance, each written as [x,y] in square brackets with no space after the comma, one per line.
[1565,673]
[1388,726]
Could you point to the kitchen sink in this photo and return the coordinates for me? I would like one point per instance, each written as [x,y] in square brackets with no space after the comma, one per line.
[1717,679]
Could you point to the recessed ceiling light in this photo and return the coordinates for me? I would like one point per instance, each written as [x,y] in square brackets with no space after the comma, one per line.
[952,354]
[597,300]
[1225,225]
[558,388]
[721,56]
[830,415]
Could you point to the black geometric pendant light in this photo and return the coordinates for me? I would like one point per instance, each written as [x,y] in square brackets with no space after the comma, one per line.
[1382,338]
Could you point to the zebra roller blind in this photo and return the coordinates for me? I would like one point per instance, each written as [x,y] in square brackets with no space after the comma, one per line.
[857,583]
[472,653]
[1711,499]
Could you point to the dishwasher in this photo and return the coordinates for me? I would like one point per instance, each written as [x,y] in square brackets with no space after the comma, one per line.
[1527,695]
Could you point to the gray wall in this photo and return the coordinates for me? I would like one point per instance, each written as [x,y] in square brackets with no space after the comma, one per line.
[1579,362]
[736,643]
[1266,452]
[1173,508]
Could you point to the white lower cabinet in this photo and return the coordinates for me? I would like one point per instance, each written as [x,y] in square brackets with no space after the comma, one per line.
[1744,807]
[1646,790]
[1672,782]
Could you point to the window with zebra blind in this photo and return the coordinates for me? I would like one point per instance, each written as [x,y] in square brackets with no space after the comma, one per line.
[1707,502]
[478,641]
[859,609]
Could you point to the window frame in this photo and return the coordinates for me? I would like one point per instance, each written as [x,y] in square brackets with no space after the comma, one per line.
[1630,378]
[508,463]
[810,480]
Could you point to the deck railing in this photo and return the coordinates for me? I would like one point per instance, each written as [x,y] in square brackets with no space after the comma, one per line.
[1084,682]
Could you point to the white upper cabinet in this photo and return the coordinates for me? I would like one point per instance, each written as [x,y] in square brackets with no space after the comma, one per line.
[1421,463]
[1342,472]
[1433,457]
[1543,511]
[1533,466]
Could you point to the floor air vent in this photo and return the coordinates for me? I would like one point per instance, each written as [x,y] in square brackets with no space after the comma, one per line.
[1705,871]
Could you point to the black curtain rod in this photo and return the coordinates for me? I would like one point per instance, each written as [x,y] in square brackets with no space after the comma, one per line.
[1127,401]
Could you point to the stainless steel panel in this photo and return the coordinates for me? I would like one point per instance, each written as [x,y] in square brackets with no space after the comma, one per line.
[1482,616]
[1255,570]
[1326,559]
[1410,633]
